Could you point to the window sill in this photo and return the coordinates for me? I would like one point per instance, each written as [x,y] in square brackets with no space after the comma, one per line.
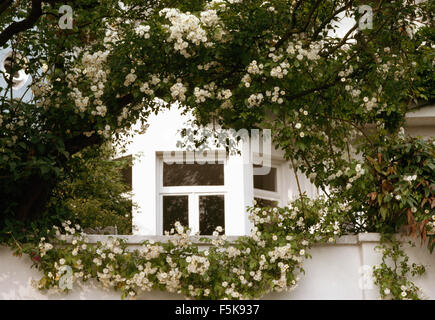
[136,240]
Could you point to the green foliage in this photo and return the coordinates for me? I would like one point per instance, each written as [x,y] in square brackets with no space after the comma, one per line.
[400,187]
[270,259]
[392,275]
[17,233]
[89,84]
[239,64]
[95,192]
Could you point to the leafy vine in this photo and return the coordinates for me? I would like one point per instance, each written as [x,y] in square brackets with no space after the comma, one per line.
[393,274]
[270,259]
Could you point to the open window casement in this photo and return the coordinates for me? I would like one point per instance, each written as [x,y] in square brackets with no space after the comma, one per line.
[19,78]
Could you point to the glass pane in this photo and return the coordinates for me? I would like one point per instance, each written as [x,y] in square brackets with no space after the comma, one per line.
[265,182]
[127,177]
[127,171]
[175,208]
[266,203]
[211,213]
[193,174]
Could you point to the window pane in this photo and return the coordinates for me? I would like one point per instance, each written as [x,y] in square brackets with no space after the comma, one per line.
[127,171]
[211,213]
[266,203]
[266,182]
[175,208]
[193,174]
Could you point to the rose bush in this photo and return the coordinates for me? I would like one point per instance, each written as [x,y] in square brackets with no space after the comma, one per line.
[270,259]
[331,101]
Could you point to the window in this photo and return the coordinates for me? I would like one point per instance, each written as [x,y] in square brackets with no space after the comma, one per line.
[193,194]
[266,182]
[211,213]
[175,208]
[127,171]
[267,188]
[193,174]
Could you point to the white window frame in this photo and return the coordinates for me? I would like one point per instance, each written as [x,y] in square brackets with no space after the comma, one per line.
[193,193]
[277,195]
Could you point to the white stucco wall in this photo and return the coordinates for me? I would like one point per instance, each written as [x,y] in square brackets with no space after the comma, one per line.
[334,272]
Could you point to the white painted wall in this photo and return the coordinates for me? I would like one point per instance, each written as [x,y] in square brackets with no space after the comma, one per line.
[334,272]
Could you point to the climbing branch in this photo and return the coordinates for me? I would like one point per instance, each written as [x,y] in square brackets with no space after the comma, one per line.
[26,24]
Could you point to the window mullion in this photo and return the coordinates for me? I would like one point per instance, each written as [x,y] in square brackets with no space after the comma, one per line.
[194,212]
